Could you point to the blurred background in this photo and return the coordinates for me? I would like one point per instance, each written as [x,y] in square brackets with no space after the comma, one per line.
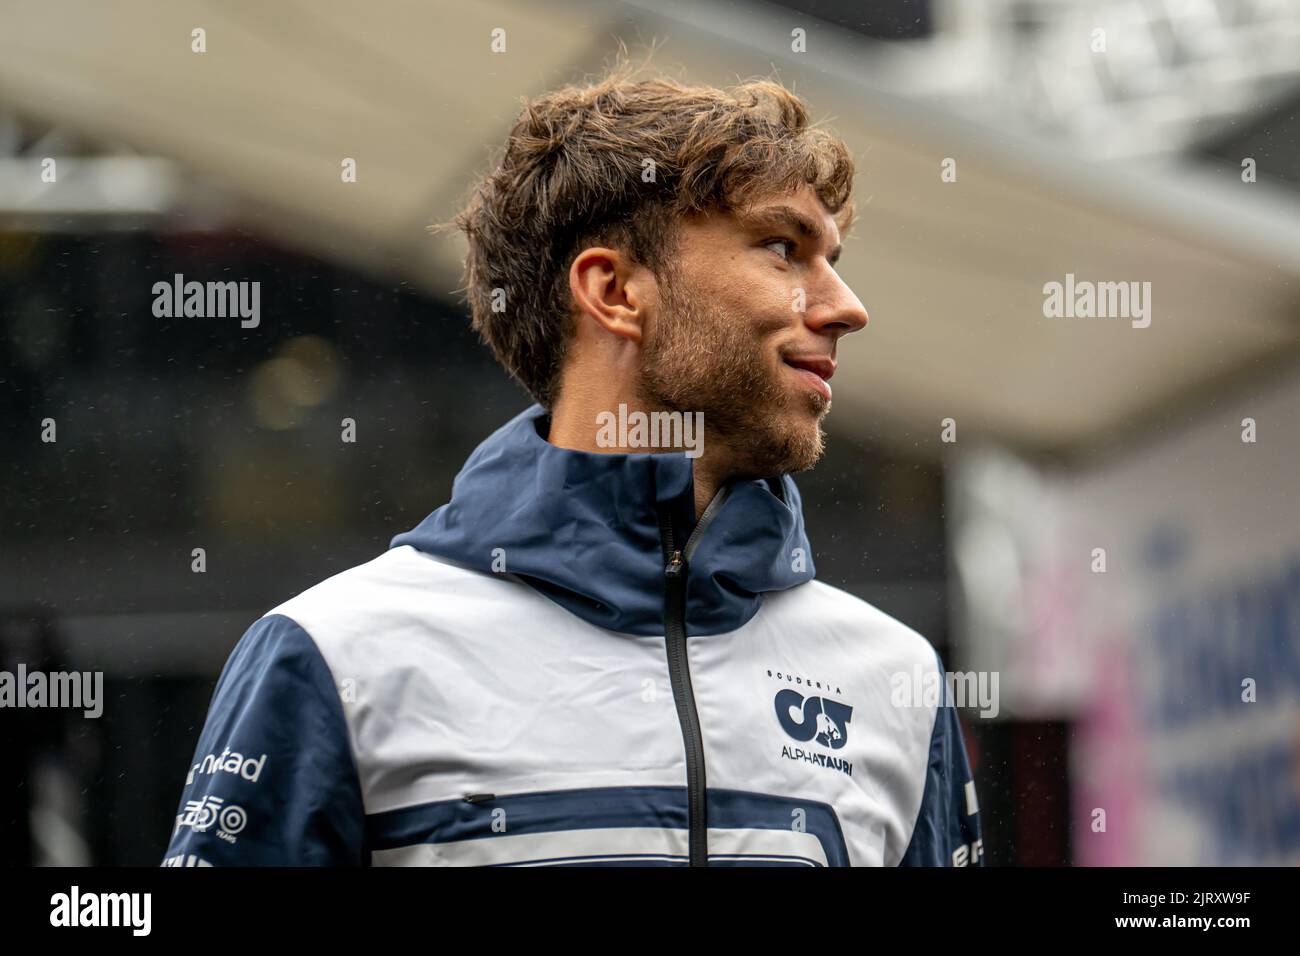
[1104,515]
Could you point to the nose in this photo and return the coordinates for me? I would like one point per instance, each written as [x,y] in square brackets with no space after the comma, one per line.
[838,311]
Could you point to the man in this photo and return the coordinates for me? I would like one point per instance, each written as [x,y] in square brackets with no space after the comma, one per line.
[609,646]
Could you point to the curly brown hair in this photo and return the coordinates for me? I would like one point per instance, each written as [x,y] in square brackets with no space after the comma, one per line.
[618,162]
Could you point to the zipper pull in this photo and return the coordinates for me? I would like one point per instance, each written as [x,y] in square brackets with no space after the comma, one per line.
[675,565]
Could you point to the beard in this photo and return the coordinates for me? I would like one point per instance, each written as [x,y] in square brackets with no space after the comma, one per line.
[699,358]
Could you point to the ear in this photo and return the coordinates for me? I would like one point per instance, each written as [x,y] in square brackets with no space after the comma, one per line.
[610,290]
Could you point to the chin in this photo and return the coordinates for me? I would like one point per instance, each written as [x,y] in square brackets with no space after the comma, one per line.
[794,443]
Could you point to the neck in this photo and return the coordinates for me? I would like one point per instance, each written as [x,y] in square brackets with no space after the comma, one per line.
[576,423]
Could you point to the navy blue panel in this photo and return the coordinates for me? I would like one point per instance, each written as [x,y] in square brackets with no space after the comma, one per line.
[942,826]
[542,811]
[762,811]
[448,821]
[273,780]
[583,529]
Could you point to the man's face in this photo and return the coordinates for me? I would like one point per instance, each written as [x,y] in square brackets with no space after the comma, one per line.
[748,319]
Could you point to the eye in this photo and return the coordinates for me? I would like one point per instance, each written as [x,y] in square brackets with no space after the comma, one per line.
[786,246]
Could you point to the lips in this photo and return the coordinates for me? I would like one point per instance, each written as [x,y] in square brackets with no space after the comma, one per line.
[815,370]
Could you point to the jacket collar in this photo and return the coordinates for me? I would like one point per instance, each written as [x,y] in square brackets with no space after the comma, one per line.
[584,529]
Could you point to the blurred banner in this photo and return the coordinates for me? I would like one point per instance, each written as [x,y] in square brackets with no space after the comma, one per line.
[1154,600]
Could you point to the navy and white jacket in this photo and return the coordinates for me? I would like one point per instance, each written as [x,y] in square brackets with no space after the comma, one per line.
[563,666]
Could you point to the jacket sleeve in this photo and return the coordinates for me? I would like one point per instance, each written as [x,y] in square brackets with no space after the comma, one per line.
[273,781]
[947,830]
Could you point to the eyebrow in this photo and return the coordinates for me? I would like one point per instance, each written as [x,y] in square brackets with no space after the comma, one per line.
[773,217]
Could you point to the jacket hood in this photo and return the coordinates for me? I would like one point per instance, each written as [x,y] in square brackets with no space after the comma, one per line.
[584,529]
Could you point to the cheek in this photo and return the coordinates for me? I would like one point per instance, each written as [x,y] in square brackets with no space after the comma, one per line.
[774,301]
[760,304]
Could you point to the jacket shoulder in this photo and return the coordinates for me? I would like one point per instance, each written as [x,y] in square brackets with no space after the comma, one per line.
[398,583]
[382,577]
[404,606]
[885,639]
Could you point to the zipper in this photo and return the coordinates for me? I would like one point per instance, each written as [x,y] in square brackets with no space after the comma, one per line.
[679,673]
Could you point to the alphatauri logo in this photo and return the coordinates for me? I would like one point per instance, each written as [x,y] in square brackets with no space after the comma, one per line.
[808,714]
[813,718]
